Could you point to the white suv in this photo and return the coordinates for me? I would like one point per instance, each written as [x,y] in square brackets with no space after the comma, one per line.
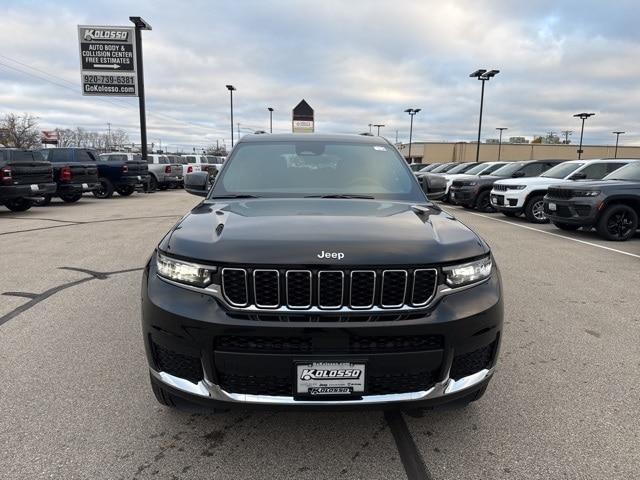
[515,196]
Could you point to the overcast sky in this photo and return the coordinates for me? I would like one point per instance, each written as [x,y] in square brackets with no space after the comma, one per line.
[355,62]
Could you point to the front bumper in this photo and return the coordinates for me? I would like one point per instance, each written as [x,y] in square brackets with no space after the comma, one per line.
[506,201]
[188,335]
[25,191]
[463,195]
[583,211]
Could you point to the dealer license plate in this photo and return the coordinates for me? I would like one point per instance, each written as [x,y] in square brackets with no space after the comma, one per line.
[139,177]
[34,188]
[552,207]
[330,378]
[85,186]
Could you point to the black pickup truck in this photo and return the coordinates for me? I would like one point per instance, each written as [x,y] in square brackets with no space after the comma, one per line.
[611,205]
[73,174]
[315,273]
[114,173]
[24,177]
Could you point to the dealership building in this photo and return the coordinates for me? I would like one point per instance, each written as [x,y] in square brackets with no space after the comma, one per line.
[431,152]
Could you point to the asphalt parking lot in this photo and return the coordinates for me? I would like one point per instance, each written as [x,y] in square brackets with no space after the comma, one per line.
[75,401]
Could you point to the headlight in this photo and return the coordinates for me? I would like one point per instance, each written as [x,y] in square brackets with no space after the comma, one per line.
[466,273]
[586,193]
[184,272]
[517,187]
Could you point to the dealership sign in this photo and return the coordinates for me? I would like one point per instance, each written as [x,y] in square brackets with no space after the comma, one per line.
[302,118]
[108,60]
[49,137]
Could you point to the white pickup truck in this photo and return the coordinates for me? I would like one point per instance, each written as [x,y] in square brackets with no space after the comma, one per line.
[515,196]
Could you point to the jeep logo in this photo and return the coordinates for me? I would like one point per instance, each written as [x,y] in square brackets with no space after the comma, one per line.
[335,255]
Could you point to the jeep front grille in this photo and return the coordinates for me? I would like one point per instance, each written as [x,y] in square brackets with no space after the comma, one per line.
[366,289]
[500,188]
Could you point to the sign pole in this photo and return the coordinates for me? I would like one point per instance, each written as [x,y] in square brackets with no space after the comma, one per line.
[141,25]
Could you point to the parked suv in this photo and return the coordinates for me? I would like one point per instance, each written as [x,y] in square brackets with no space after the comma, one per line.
[611,205]
[74,174]
[123,172]
[471,168]
[163,172]
[24,177]
[315,273]
[513,196]
[473,191]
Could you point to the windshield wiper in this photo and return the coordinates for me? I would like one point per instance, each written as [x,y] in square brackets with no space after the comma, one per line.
[340,195]
[241,195]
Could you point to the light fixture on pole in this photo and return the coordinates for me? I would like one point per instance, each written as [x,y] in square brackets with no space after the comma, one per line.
[231,89]
[378,125]
[483,75]
[617,134]
[501,129]
[583,116]
[411,112]
[270,119]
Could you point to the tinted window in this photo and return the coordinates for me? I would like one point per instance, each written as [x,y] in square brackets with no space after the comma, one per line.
[461,168]
[44,153]
[442,168]
[562,170]
[83,156]
[303,168]
[191,159]
[534,169]
[19,156]
[613,166]
[508,169]
[595,171]
[628,172]
[492,168]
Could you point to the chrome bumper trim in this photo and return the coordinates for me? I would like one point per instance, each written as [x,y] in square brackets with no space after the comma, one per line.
[206,389]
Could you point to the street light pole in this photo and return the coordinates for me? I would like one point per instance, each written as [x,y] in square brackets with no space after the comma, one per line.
[583,116]
[370,125]
[378,125]
[270,119]
[411,112]
[482,75]
[231,89]
[141,24]
[617,134]
[500,140]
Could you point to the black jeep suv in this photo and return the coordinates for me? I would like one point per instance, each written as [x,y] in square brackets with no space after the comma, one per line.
[315,273]
[474,191]
[611,205]
[24,178]
[74,174]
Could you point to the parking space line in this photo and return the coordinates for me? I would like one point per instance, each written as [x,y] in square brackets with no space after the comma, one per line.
[552,234]
[412,461]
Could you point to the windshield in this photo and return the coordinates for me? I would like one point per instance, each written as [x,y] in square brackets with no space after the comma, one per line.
[562,170]
[460,168]
[428,168]
[628,172]
[314,168]
[442,168]
[476,169]
[508,170]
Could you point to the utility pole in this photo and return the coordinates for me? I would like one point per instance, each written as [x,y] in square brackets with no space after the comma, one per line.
[231,89]
[108,136]
[270,119]
[482,75]
[583,116]
[378,125]
[238,130]
[140,25]
[411,112]
[500,140]
[617,134]
[370,125]
[396,136]
[566,134]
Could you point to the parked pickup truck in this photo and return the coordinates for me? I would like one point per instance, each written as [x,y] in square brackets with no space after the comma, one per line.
[163,172]
[73,174]
[24,176]
[121,172]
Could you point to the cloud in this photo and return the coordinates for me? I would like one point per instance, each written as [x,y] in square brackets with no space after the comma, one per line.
[355,62]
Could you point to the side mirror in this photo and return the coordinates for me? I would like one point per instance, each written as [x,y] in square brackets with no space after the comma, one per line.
[578,176]
[518,174]
[197,183]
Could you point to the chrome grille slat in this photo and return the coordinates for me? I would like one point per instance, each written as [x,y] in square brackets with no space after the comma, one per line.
[320,292]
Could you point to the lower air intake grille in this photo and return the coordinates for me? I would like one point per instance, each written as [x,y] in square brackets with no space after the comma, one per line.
[401,382]
[178,364]
[472,362]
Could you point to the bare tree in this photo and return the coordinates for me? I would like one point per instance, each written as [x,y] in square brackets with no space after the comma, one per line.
[20,131]
[219,151]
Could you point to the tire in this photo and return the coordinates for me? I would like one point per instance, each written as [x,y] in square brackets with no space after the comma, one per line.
[126,190]
[510,214]
[18,204]
[566,226]
[617,223]
[71,197]
[153,184]
[534,210]
[105,190]
[483,204]
[162,396]
[46,200]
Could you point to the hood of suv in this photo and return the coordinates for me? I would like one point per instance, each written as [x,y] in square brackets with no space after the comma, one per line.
[599,185]
[297,231]
[533,181]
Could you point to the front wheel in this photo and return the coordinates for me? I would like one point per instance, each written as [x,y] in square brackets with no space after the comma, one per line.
[126,190]
[534,210]
[18,204]
[483,203]
[71,197]
[618,223]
